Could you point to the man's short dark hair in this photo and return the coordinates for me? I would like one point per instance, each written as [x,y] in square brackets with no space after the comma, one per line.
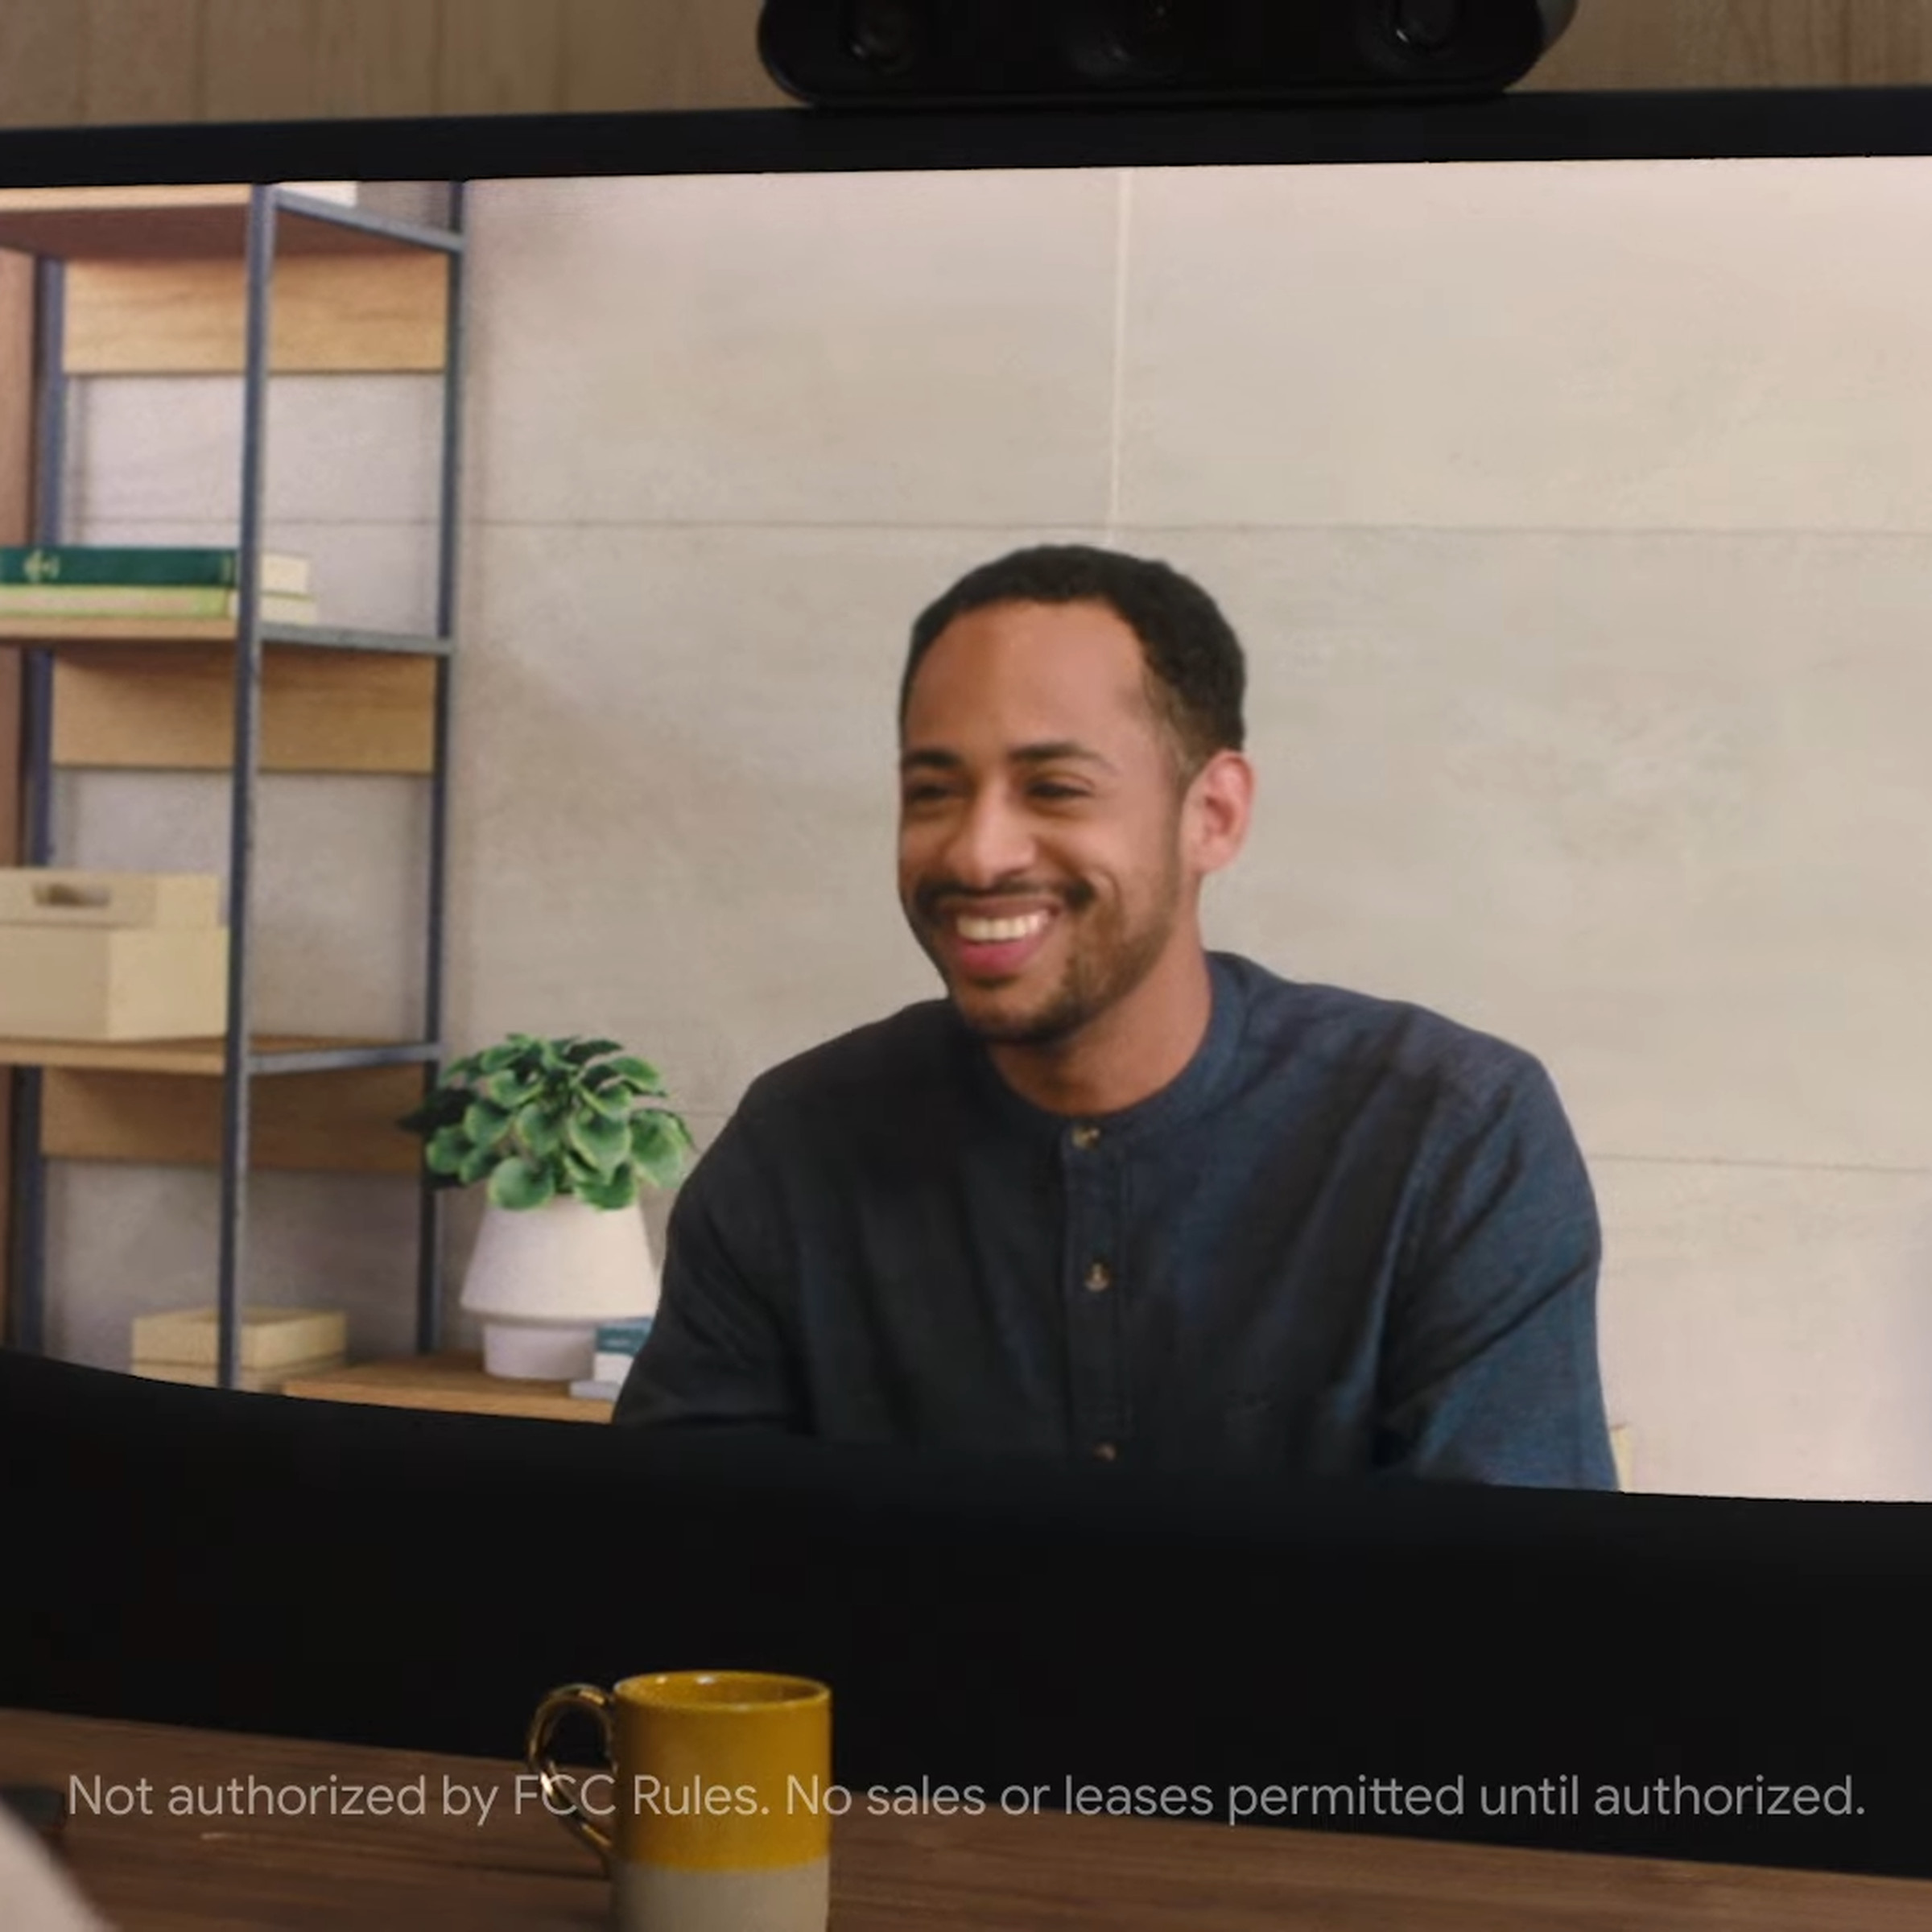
[1196,676]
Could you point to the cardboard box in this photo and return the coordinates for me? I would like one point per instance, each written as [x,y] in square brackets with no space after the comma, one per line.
[113,983]
[45,895]
[291,1340]
[110,956]
[257,1381]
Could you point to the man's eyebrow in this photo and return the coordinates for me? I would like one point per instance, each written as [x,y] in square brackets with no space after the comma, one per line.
[1061,752]
[926,759]
[1057,752]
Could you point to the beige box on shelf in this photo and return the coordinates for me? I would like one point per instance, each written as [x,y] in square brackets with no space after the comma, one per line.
[107,956]
[291,1341]
[41,895]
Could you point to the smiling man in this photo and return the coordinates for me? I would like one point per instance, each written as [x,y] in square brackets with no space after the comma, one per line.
[1116,1196]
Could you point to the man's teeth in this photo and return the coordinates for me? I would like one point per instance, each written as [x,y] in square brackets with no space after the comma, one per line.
[984,931]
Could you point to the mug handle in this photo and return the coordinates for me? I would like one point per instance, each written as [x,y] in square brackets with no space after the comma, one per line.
[559,1793]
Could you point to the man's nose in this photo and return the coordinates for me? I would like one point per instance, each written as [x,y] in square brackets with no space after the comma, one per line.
[990,842]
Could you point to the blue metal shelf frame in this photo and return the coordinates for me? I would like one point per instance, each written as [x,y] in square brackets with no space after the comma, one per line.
[268,205]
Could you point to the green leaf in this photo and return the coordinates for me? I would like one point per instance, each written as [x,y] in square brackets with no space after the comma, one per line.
[459,1072]
[661,1144]
[618,1104]
[603,1143]
[509,1089]
[540,1130]
[485,1123]
[578,1052]
[619,1190]
[494,1059]
[475,1164]
[447,1151]
[640,1073]
[519,1184]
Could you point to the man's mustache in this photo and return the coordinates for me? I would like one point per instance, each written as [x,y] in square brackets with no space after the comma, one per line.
[938,900]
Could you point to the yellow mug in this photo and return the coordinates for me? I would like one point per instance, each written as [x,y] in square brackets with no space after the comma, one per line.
[713,1815]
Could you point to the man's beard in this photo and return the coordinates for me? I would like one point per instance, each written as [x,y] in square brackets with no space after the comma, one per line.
[1106,961]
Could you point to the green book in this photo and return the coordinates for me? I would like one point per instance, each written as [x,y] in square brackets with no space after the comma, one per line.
[72,563]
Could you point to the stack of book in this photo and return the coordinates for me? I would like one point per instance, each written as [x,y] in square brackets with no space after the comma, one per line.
[617,1347]
[274,1345]
[84,582]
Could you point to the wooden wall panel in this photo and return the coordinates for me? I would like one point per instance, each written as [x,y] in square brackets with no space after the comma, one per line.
[1643,43]
[376,57]
[68,62]
[42,62]
[618,53]
[16,438]
[1889,43]
[258,58]
[143,60]
[502,57]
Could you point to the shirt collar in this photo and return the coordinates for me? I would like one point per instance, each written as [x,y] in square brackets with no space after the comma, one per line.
[1191,1090]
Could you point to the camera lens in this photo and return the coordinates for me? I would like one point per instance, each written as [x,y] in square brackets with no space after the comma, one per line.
[1428,25]
[884,34]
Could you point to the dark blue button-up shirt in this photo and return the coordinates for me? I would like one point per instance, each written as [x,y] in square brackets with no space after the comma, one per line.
[1350,1236]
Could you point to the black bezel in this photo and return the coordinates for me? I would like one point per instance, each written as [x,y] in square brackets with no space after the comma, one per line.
[1531,126]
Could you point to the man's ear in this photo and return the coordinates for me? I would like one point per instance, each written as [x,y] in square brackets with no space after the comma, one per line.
[1219,806]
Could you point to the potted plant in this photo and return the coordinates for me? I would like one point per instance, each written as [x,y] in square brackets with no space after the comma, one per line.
[564,1135]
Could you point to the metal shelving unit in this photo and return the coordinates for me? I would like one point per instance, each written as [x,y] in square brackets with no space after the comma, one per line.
[268,214]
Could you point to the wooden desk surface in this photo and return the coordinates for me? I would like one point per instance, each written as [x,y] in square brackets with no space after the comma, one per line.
[455,1382]
[152,1871]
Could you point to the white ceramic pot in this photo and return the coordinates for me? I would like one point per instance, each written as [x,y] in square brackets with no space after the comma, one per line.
[543,1278]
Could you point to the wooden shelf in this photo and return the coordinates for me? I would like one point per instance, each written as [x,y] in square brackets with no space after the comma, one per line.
[453,1383]
[190,1059]
[378,314]
[66,633]
[152,223]
[153,706]
[58,633]
[158,1103]
[155,284]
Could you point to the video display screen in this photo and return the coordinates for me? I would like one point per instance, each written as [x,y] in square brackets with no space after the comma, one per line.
[1574,519]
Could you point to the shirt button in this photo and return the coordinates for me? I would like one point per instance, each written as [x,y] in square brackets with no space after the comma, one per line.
[1106,1452]
[1086,1137]
[1099,1277]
